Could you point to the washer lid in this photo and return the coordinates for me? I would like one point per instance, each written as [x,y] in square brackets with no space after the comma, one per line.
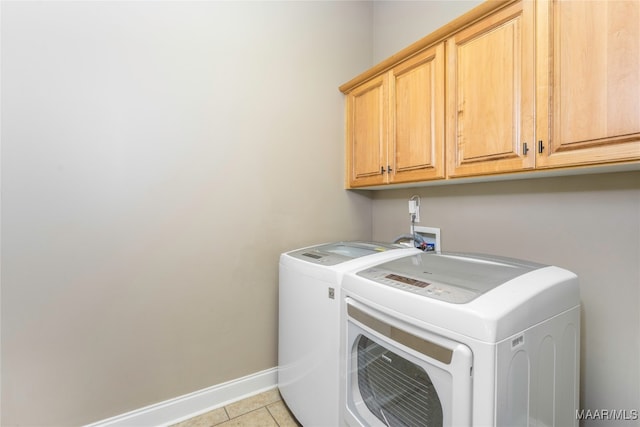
[339,252]
[451,277]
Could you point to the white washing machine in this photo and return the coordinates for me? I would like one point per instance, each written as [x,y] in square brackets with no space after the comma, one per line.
[309,323]
[460,340]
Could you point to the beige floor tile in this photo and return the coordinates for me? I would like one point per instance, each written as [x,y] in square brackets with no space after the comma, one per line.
[257,418]
[251,403]
[207,419]
[282,415]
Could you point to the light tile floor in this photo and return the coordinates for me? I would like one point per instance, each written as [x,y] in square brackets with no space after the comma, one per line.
[262,410]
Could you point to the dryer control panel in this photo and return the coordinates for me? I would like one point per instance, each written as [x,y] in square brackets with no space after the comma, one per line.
[450,277]
[431,289]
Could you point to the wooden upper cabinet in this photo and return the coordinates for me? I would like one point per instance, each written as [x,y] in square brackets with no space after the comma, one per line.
[395,123]
[416,145]
[367,132]
[588,59]
[490,94]
[524,85]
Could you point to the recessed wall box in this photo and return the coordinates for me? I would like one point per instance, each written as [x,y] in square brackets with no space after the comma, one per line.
[431,235]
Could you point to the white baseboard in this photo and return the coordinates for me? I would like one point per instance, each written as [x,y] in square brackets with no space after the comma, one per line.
[190,405]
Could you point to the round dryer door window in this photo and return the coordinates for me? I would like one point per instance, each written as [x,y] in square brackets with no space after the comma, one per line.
[399,375]
[397,391]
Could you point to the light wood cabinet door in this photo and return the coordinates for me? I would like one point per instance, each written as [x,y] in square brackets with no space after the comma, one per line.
[395,123]
[490,94]
[588,59]
[367,133]
[416,145]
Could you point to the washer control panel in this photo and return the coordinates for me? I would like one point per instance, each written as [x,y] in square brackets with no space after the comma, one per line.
[336,253]
[420,286]
[320,257]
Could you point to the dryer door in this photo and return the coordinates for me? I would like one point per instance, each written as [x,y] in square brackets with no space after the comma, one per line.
[400,375]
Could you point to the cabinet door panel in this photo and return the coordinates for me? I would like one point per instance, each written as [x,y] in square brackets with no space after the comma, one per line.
[416,148]
[367,133]
[486,94]
[589,80]
[490,100]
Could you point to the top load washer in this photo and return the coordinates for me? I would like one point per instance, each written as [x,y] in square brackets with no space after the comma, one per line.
[460,339]
[309,323]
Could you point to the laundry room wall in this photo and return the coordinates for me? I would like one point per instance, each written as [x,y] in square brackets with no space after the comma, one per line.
[157,157]
[397,24]
[589,224]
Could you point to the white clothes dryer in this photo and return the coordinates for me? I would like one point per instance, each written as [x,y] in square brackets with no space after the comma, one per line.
[309,323]
[460,340]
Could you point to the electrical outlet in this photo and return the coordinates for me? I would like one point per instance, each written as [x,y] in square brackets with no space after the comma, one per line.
[414,210]
[431,235]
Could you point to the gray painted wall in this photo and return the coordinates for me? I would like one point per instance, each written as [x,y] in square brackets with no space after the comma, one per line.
[397,24]
[157,157]
[587,224]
